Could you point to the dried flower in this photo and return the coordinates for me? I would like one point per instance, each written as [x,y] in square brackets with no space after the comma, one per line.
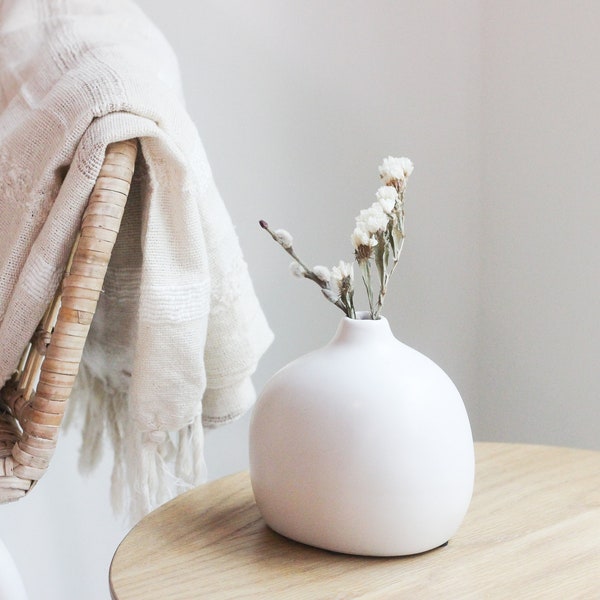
[362,238]
[377,239]
[395,169]
[343,276]
[387,196]
[343,272]
[372,219]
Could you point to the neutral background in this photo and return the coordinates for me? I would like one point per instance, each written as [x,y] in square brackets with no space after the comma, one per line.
[297,102]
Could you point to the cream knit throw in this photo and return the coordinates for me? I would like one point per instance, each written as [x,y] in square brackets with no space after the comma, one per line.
[178,330]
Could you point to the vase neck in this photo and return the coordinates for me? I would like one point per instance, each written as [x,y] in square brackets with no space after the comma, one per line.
[362,331]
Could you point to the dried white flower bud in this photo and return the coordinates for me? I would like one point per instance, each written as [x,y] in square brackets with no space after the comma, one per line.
[344,270]
[284,237]
[361,237]
[369,222]
[387,196]
[395,169]
[322,273]
[407,165]
[373,219]
[296,270]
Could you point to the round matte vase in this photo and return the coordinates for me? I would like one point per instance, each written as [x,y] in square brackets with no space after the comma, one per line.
[362,447]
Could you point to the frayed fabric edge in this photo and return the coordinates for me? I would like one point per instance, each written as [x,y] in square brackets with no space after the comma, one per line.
[150,467]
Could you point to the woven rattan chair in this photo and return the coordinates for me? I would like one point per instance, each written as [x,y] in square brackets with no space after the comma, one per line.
[33,401]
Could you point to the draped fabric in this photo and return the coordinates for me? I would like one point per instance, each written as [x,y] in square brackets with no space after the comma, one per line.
[178,330]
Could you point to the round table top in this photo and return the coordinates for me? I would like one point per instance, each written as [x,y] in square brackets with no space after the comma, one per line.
[532,531]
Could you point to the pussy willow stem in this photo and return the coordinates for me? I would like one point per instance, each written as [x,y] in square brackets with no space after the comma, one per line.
[306,271]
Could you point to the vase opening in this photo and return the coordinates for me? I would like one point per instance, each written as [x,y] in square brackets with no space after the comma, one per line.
[365,315]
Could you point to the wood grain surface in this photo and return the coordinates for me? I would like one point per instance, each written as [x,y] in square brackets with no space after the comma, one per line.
[532,531]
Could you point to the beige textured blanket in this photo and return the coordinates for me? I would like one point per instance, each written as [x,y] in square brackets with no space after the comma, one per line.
[178,330]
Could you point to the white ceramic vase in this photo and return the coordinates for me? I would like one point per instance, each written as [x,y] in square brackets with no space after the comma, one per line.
[362,447]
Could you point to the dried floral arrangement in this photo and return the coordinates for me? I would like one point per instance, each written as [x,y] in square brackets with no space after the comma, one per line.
[378,238]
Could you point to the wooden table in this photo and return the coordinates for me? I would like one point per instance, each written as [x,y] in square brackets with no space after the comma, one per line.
[532,531]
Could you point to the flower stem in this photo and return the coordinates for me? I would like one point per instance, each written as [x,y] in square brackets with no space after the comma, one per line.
[388,274]
[346,307]
[365,268]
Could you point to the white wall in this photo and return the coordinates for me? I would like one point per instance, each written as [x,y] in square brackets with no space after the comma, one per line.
[540,328]
[297,102]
